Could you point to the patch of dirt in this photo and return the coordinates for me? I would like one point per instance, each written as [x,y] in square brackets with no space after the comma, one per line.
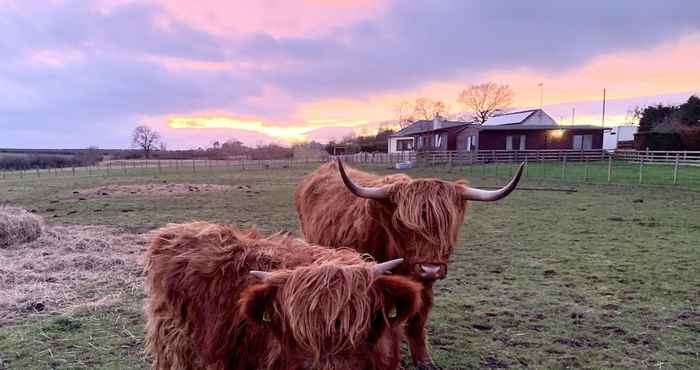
[69,269]
[582,342]
[492,362]
[155,189]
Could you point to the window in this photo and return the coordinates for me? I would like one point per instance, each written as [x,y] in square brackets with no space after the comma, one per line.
[403,145]
[522,142]
[438,140]
[471,143]
[420,142]
[509,143]
[583,142]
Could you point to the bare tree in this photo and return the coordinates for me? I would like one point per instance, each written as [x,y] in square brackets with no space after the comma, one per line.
[485,100]
[404,113]
[425,108]
[145,138]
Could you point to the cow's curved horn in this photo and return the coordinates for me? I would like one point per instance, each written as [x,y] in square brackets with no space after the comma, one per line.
[262,275]
[362,192]
[382,268]
[491,195]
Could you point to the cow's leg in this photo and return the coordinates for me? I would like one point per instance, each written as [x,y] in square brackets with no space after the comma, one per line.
[416,332]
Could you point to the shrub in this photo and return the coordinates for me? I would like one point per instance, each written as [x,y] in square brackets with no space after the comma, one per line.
[18,226]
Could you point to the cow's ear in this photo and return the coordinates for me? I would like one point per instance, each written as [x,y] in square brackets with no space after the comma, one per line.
[257,302]
[401,295]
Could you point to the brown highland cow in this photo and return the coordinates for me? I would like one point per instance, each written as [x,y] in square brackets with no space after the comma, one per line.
[391,217]
[220,298]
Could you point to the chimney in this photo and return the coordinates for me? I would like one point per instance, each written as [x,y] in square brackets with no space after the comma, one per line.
[437,122]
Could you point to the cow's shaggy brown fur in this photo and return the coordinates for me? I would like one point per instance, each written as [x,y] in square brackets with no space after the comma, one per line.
[319,308]
[419,221]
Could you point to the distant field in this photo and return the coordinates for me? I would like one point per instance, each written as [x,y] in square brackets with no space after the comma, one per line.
[604,277]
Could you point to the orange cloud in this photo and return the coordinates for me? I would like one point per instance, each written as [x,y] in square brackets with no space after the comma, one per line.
[625,75]
[666,69]
[289,133]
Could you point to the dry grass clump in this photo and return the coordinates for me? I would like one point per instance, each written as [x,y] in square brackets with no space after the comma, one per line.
[153,189]
[18,226]
[68,269]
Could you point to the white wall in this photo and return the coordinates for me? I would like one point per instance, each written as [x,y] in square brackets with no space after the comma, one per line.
[619,133]
[392,143]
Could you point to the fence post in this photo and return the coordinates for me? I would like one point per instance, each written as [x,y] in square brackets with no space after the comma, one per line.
[526,166]
[159,170]
[585,169]
[641,169]
[609,167]
[544,169]
[563,167]
[675,171]
[449,161]
[194,169]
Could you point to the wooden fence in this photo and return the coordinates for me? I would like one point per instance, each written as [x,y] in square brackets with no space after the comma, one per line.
[682,158]
[511,156]
[478,157]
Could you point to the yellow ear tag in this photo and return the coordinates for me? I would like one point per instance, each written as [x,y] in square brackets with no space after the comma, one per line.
[392,312]
[266,317]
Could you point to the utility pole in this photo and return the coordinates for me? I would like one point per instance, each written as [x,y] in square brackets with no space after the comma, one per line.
[541,85]
[603,108]
[573,114]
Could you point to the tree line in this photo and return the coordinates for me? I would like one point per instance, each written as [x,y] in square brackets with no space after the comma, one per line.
[669,127]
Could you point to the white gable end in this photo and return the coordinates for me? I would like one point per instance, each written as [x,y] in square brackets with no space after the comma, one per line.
[540,118]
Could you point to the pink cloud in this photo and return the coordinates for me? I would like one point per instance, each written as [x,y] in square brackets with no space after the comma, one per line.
[278,18]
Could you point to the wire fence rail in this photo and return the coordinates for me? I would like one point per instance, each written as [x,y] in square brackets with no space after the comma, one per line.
[573,166]
[153,166]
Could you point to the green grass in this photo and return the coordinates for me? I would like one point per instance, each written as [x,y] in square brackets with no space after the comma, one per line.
[603,278]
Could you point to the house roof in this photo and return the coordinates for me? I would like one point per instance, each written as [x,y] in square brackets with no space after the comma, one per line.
[540,127]
[509,118]
[424,126]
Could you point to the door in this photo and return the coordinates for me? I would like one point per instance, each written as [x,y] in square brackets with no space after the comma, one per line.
[587,142]
[522,142]
[509,143]
[578,142]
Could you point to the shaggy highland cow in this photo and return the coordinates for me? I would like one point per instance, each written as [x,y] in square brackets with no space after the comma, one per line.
[220,298]
[391,217]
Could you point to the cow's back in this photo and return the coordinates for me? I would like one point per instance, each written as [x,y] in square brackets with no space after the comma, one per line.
[332,216]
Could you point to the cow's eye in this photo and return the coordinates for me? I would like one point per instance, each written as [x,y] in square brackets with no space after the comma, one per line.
[266,317]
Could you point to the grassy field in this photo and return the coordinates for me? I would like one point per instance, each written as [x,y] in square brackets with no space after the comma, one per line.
[604,277]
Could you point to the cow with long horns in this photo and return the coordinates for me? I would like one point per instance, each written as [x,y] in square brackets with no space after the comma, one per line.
[391,217]
[221,298]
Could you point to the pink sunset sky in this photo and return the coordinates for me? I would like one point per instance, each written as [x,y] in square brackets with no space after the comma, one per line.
[79,73]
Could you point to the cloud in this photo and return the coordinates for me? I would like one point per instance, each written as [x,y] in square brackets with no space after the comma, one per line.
[103,67]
